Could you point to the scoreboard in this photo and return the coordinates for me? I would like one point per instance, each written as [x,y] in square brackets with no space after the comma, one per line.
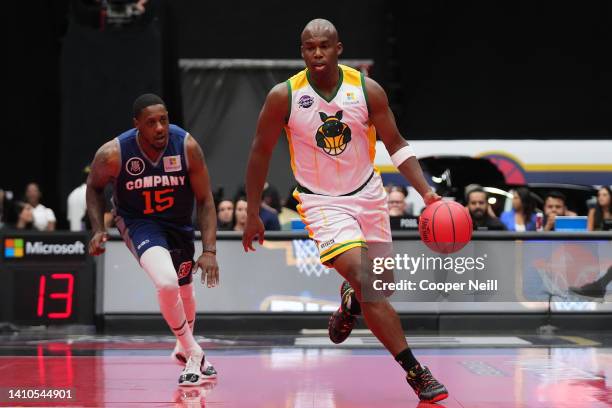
[46,278]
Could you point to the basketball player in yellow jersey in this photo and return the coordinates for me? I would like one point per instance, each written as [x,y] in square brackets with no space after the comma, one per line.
[331,114]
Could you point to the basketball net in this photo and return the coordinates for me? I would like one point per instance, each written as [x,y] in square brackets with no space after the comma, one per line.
[556,285]
[307,259]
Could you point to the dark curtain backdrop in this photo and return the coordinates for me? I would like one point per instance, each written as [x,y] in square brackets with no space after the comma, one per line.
[102,73]
[505,69]
[221,107]
[453,70]
[31,93]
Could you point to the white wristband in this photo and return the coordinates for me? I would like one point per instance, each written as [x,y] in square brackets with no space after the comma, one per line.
[402,155]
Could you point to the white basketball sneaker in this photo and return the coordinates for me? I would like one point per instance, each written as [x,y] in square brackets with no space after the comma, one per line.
[178,355]
[196,371]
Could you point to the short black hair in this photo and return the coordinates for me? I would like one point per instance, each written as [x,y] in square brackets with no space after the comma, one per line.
[146,100]
[273,196]
[397,187]
[476,190]
[556,194]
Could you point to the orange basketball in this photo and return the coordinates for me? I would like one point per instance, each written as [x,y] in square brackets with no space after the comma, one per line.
[445,226]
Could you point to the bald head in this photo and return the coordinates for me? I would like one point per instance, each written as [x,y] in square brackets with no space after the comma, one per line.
[320,27]
[320,50]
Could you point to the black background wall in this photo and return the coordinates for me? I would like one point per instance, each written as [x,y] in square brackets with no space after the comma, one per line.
[31,93]
[271,29]
[506,69]
[452,70]
[102,72]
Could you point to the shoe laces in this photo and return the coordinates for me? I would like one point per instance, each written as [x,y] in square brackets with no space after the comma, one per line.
[426,379]
[193,363]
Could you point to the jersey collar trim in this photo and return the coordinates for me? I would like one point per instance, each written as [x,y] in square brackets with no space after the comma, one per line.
[156,162]
[334,93]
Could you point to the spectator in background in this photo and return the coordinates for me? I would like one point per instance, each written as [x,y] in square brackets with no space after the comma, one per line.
[270,208]
[399,217]
[7,212]
[32,214]
[271,198]
[240,214]
[289,212]
[555,206]
[77,206]
[390,188]
[478,206]
[602,213]
[396,200]
[225,215]
[522,216]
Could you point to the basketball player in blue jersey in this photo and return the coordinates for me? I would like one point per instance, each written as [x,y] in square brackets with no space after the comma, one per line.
[331,114]
[157,171]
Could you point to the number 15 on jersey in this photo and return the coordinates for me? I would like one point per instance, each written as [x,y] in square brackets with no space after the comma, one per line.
[158,200]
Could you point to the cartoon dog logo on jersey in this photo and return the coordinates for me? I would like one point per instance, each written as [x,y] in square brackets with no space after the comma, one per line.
[333,135]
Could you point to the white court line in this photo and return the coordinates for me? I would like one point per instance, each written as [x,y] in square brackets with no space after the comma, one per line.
[434,341]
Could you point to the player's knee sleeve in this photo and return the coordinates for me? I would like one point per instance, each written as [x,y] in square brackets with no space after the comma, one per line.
[168,291]
[157,263]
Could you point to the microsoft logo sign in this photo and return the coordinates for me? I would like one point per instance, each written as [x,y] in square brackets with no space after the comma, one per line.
[13,248]
[16,248]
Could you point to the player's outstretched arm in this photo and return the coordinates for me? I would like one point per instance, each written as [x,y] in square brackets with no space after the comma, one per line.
[384,121]
[206,212]
[104,168]
[269,126]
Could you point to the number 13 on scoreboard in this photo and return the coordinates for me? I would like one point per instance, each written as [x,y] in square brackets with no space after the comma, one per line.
[66,296]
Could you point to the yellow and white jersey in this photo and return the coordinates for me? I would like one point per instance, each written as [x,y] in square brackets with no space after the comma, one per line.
[332,142]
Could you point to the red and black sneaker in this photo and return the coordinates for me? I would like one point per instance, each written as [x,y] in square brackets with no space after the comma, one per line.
[341,322]
[426,387]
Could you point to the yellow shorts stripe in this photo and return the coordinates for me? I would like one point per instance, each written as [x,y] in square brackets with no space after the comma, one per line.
[340,248]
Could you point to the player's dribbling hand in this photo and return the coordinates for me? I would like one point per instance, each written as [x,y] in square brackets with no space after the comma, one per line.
[430,197]
[207,262]
[96,245]
[254,228]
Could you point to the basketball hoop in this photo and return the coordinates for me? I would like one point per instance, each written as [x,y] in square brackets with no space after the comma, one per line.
[307,259]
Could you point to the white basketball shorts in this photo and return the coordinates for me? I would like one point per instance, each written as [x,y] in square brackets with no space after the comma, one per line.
[338,224]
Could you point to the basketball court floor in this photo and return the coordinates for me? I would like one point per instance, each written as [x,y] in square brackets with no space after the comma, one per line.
[307,370]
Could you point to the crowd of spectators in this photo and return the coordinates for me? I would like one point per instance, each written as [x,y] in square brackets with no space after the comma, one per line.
[524,214]
[29,213]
